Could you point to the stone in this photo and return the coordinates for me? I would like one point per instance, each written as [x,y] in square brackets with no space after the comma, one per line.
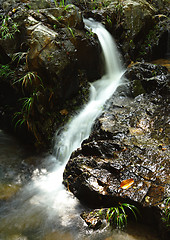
[128,141]
[146,78]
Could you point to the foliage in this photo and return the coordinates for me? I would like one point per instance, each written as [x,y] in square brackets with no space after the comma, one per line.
[166,213]
[119,10]
[89,33]
[96,4]
[19,56]
[5,71]
[8,28]
[61,3]
[71,31]
[28,80]
[117,216]
[109,21]
[24,114]
[27,115]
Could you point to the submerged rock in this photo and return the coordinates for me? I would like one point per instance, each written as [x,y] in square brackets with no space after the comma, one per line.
[8,191]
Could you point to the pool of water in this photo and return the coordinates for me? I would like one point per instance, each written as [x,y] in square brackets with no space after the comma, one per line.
[26,213]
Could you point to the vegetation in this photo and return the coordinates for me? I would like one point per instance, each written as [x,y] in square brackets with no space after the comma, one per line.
[60,4]
[166,213]
[117,216]
[26,115]
[8,28]
[71,31]
[32,82]
[6,71]
[29,79]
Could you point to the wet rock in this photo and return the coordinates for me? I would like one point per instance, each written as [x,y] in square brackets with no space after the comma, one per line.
[161,5]
[34,4]
[129,141]
[53,46]
[8,191]
[94,219]
[146,78]
[139,27]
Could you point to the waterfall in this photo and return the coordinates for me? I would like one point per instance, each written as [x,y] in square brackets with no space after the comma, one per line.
[45,200]
[80,126]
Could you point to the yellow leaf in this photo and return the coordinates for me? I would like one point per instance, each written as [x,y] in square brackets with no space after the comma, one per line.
[125,184]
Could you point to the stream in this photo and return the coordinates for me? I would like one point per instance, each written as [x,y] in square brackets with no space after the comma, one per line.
[34,203]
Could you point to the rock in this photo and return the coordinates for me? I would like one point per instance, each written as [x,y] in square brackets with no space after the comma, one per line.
[146,78]
[8,191]
[34,4]
[54,51]
[38,4]
[129,141]
[162,6]
[52,45]
[139,28]
[94,219]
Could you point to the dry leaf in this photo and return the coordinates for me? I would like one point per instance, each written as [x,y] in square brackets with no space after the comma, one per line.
[125,184]
[64,112]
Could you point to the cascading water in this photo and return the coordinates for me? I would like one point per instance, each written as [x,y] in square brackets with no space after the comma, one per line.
[101,90]
[44,204]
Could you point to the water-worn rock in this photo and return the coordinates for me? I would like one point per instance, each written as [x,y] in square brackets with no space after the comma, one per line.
[128,141]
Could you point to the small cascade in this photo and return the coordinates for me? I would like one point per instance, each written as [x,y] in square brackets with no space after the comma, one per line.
[101,90]
[44,204]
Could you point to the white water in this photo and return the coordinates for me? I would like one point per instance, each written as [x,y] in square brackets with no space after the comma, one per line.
[45,200]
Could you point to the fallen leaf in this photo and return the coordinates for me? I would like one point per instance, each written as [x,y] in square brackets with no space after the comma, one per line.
[64,112]
[125,184]
[147,199]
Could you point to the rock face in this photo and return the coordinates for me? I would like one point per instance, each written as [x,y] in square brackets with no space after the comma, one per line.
[48,42]
[53,57]
[140,27]
[128,141]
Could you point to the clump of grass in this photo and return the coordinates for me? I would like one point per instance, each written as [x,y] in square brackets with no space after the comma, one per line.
[31,84]
[166,213]
[8,28]
[117,216]
[29,79]
[26,115]
[5,71]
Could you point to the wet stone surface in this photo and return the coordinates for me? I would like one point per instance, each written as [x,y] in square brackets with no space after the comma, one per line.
[129,141]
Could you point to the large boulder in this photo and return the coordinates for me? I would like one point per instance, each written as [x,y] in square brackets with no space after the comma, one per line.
[129,141]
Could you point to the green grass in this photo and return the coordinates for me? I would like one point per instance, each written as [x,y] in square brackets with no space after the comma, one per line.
[30,79]
[8,28]
[166,213]
[6,72]
[117,216]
